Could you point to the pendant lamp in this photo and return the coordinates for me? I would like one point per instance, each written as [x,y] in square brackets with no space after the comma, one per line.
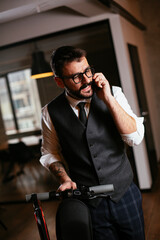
[40,68]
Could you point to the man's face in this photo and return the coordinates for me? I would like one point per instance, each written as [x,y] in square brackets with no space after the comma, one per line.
[82,89]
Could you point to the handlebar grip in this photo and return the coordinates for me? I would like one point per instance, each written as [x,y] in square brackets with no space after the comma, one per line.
[40,196]
[102,188]
[28,197]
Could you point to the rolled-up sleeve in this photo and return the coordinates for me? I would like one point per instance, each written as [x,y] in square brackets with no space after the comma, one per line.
[134,138]
[51,149]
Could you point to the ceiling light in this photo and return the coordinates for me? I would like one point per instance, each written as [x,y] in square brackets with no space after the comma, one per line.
[40,68]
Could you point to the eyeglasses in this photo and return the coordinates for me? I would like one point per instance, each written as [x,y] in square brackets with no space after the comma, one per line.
[78,77]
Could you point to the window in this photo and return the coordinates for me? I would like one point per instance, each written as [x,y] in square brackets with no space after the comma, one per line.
[19,102]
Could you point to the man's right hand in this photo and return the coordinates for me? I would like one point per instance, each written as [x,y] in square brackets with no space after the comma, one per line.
[57,168]
[69,184]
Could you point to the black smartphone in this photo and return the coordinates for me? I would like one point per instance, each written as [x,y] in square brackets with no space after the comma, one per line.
[94,85]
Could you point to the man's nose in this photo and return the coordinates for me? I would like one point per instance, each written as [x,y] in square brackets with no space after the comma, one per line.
[86,79]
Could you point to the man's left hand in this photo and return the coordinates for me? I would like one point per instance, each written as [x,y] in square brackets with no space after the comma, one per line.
[102,89]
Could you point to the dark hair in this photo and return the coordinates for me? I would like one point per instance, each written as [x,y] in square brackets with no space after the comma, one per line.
[65,55]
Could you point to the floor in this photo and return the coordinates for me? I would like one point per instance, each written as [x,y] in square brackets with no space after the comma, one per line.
[18,217]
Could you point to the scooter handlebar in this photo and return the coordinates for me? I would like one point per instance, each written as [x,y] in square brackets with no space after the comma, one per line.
[100,189]
[93,191]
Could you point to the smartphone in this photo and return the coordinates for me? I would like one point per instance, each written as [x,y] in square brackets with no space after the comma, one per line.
[94,85]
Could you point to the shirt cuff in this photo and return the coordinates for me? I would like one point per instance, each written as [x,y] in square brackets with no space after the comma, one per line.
[47,159]
[135,138]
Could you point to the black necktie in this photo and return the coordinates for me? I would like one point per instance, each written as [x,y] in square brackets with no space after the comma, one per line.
[82,113]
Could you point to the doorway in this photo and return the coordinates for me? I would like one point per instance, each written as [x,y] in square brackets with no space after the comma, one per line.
[143,106]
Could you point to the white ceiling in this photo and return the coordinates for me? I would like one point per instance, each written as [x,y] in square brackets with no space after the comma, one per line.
[25,19]
[16,9]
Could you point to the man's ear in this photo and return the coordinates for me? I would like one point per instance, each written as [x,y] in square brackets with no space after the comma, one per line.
[59,82]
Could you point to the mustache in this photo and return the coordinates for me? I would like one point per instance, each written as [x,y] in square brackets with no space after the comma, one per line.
[86,85]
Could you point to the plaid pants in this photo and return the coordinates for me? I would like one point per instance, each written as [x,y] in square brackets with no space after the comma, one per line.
[119,221]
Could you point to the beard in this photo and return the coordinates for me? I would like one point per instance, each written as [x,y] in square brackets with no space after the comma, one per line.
[78,94]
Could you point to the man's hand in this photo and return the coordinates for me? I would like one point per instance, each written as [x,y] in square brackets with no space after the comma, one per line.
[103,89]
[57,168]
[67,185]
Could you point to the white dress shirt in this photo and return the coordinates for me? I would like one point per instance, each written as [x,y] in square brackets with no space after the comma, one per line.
[51,149]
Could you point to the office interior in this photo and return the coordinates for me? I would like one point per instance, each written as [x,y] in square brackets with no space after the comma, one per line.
[122,41]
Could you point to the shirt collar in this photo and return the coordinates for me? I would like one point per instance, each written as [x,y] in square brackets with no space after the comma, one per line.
[73,102]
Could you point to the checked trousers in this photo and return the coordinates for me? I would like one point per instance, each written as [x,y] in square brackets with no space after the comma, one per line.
[119,221]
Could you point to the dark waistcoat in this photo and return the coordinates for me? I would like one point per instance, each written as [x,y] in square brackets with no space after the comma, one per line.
[95,154]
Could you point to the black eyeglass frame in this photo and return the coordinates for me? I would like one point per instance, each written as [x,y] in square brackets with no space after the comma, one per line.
[80,75]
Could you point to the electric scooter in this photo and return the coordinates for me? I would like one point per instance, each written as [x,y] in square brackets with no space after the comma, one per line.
[73,221]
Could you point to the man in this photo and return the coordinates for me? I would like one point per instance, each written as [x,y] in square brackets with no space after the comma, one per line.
[94,151]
